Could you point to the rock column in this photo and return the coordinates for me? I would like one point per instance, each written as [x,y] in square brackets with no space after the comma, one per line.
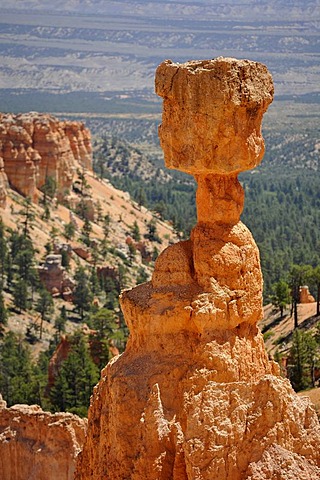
[211,128]
[194,396]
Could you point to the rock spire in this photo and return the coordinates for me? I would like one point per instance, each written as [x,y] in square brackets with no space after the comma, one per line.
[194,395]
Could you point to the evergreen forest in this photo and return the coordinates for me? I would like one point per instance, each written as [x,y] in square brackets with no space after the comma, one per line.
[24,375]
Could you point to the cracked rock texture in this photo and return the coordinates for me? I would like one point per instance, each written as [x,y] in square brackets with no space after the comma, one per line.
[194,396]
[38,445]
[36,146]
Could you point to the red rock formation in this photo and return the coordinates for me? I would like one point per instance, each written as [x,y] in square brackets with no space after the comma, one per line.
[37,146]
[305,295]
[38,445]
[54,276]
[194,396]
[80,143]
[82,251]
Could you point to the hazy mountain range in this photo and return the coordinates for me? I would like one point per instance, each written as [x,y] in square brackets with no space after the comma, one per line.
[110,49]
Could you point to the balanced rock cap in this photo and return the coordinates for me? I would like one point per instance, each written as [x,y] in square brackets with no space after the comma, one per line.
[212,114]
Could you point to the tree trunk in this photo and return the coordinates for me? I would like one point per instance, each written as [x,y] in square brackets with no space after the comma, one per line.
[295,313]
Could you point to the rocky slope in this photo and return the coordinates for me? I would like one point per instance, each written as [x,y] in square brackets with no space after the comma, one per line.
[103,199]
[194,396]
[38,445]
[35,147]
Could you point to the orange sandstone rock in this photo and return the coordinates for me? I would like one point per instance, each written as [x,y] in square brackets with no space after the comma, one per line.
[3,185]
[37,146]
[212,112]
[38,445]
[194,396]
[305,296]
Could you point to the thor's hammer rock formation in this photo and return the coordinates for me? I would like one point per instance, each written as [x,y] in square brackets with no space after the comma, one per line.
[194,395]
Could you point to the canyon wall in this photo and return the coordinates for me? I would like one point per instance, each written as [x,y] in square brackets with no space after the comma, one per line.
[38,445]
[194,396]
[34,147]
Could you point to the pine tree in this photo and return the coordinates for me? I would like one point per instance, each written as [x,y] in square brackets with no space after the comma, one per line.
[106,225]
[135,232]
[20,295]
[94,281]
[142,276]
[298,275]
[3,251]
[281,296]
[76,378]
[132,252]
[65,259]
[69,230]
[3,311]
[15,370]
[86,231]
[24,261]
[104,322]
[99,212]
[315,278]
[82,293]
[49,189]
[29,216]
[44,306]
[61,320]
[9,271]
[302,360]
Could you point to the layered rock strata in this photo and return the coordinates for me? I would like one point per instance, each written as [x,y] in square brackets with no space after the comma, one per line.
[194,395]
[34,147]
[38,445]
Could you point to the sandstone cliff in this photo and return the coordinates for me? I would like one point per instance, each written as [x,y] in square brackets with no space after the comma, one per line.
[3,185]
[36,146]
[194,396]
[38,445]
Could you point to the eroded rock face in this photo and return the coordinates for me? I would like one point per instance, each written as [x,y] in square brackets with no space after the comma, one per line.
[212,114]
[36,146]
[54,276]
[305,296]
[3,185]
[39,445]
[194,395]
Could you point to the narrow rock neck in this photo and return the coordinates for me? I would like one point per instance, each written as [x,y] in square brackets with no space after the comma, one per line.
[219,199]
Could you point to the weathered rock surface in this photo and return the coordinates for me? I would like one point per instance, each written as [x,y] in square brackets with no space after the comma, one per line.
[305,296]
[54,276]
[38,445]
[36,146]
[194,395]
[212,114]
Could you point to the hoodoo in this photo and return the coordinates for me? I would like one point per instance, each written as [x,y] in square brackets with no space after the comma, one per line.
[194,395]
